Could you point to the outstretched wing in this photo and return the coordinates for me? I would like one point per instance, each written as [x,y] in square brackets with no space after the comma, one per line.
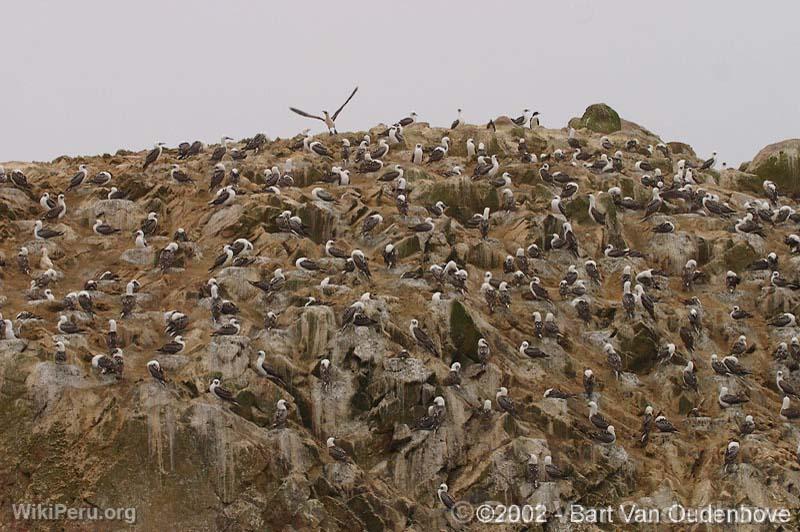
[303,113]
[339,110]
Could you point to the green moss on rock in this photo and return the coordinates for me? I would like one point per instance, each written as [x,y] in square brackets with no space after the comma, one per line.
[463,197]
[782,166]
[464,334]
[640,349]
[737,257]
[601,118]
[578,210]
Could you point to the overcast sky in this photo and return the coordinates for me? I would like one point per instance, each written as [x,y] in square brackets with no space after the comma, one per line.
[89,77]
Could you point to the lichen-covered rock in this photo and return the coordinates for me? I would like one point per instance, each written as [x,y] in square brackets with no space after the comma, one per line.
[227,356]
[122,214]
[639,347]
[463,196]
[780,163]
[601,118]
[464,334]
[139,256]
[13,203]
[313,330]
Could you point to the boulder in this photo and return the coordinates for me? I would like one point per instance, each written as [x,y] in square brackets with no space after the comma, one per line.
[121,213]
[313,330]
[780,163]
[140,256]
[463,196]
[601,118]
[227,356]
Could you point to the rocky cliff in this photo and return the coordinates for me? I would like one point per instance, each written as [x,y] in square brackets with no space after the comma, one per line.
[81,435]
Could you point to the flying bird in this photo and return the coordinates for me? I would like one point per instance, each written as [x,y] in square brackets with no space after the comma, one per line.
[330,120]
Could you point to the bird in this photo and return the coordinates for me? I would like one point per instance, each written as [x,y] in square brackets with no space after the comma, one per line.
[306,264]
[589,381]
[710,162]
[785,387]
[422,338]
[155,370]
[664,228]
[785,319]
[328,119]
[173,347]
[149,225]
[336,452]
[504,402]
[483,351]
[43,233]
[389,254]
[179,176]
[220,151]
[788,411]
[221,393]
[105,364]
[747,226]
[229,329]
[748,426]
[23,263]
[689,376]
[224,196]
[555,393]
[597,419]
[78,178]
[606,436]
[58,211]
[664,425]
[66,326]
[445,498]
[654,205]
[280,416]
[166,257]
[453,377]
[325,375]
[439,152]
[103,229]
[522,119]
[594,213]
[61,353]
[732,280]
[613,358]
[361,262]
[727,400]
[530,351]
[265,370]
[731,452]
[435,415]
[734,368]
[738,313]
[153,155]
[370,223]
[115,194]
[457,122]
[223,258]
[552,471]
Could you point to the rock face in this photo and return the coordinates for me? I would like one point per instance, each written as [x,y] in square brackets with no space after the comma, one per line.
[780,163]
[190,459]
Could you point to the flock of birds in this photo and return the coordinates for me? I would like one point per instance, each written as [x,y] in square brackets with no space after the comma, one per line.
[680,194]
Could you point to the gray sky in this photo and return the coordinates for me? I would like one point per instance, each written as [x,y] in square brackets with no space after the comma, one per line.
[89,77]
